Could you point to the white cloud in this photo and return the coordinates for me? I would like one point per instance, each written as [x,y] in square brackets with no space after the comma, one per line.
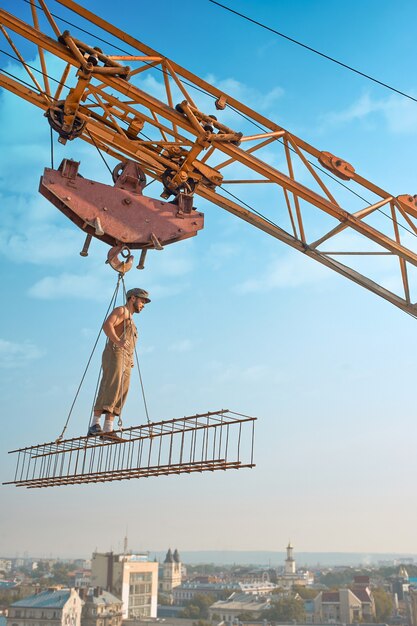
[166,276]
[183,345]
[148,82]
[145,349]
[256,373]
[290,271]
[15,355]
[41,244]
[219,254]
[357,110]
[66,285]
[244,93]
[399,114]
[260,101]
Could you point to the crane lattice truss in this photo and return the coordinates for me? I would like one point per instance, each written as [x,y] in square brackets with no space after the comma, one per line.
[201,443]
[137,104]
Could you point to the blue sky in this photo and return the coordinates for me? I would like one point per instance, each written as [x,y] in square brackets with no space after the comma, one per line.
[237,320]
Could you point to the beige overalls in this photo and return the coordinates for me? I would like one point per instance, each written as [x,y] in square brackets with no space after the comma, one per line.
[117,364]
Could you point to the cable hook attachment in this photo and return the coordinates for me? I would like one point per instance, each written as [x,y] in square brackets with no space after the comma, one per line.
[123,264]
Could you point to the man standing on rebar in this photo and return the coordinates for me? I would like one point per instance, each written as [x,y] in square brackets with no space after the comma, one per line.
[117,362]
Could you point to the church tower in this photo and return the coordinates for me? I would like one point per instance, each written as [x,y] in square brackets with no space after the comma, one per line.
[171,572]
[289,561]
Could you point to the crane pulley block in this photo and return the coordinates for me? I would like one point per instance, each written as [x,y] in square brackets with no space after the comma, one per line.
[339,167]
[120,215]
[408,204]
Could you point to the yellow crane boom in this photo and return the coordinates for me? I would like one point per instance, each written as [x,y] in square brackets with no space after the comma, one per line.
[175,141]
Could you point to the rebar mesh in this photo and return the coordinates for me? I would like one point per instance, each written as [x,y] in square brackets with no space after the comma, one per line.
[217,440]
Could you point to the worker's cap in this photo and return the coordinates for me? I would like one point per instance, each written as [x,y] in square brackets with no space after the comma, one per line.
[138,293]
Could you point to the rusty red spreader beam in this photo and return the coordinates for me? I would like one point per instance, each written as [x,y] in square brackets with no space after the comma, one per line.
[120,215]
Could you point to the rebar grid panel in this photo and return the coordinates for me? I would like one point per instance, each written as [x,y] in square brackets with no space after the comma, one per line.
[216,440]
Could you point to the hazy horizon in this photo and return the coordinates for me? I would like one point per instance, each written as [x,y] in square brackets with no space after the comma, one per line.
[252,557]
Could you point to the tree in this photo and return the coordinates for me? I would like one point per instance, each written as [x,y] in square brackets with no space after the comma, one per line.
[202,622]
[304,592]
[383,604]
[197,607]
[60,574]
[164,599]
[246,616]
[285,610]
[338,578]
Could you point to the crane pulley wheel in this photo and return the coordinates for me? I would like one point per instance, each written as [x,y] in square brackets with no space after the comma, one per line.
[122,174]
[187,187]
[55,115]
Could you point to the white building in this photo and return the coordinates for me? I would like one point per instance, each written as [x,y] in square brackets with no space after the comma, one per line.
[170,573]
[228,611]
[100,608]
[345,605]
[291,576]
[56,608]
[130,577]
[5,565]
[289,561]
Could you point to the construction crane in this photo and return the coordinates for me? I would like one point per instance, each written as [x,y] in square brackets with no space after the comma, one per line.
[180,140]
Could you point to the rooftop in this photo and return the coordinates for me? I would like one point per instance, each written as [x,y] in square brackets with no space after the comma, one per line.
[45,599]
[242,602]
[105,598]
[8,584]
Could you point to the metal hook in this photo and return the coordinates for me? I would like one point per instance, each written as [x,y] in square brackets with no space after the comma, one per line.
[118,264]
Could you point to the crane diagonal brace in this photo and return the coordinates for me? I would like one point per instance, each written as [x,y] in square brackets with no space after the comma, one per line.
[120,214]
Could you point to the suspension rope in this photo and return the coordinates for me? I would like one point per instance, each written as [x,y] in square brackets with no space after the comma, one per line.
[119,418]
[113,299]
[139,374]
[52,148]
[99,151]
[318,52]
[95,396]
[142,387]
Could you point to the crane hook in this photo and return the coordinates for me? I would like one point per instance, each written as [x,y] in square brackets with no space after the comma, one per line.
[120,265]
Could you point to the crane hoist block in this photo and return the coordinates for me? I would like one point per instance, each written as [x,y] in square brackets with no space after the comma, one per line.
[120,214]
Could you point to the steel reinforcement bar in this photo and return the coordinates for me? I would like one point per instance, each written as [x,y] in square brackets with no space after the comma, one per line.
[216,440]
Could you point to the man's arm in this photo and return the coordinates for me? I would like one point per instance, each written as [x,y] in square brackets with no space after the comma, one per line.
[115,318]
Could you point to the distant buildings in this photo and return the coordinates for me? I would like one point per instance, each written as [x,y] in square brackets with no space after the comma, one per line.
[186,591]
[400,584]
[130,577]
[55,608]
[291,576]
[354,604]
[5,565]
[413,606]
[100,608]
[82,580]
[332,607]
[170,574]
[229,610]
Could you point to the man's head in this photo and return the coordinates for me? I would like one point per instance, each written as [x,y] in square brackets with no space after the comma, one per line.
[138,297]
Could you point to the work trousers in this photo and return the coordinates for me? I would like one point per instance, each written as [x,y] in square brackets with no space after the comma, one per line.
[114,385]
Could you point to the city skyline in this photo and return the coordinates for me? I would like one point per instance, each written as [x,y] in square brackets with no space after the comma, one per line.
[271,558]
